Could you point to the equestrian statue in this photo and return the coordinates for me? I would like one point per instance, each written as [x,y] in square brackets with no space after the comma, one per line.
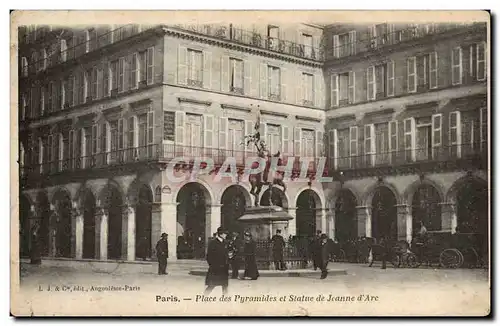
[258,180]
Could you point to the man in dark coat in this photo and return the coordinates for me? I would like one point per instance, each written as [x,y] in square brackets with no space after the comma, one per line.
[249,251]
[323,255]
[384,243]
[218,263]
[162,254]
[278,247]
[315,250]
[233,248]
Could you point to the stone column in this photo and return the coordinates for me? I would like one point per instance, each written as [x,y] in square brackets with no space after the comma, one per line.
[77,219]
[52,232]
[449,220]
[364,221]
[168,221]
[129,213]
[292,224]
[404,222]
[330,217]
[213,220]
[103,233]
[321,217]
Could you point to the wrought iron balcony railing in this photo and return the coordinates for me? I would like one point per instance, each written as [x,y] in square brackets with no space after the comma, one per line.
[94,42]
[164,153]
[253,38]
[472,152]
[388,38]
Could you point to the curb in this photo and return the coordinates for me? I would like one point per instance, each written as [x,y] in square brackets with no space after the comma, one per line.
[272,273]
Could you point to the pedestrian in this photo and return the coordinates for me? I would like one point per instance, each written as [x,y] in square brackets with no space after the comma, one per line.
[234,246]
[384,244]
[35,252]
[278,247]
[315,247]
[162,254]
[218,263]
[323,255]
[249,251]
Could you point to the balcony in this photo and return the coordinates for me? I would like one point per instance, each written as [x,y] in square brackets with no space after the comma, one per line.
[444,158]
[89,46]
[159,153]
[398,36]
[255,39]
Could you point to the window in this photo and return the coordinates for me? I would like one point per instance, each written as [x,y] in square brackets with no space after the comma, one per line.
[43,61]
[71,149]
[64,50]
[131,130]
[50,99]
[409,139]
[412,74]
[24,67]
[308,89]
[150,65]
[274,82]
[81,88]
[93,83]
[380,81]
[121,74]
[382,143]
[86,38]
[114,75]
[343,144]
[195,68]
[455,134]
[307,41]
[477,60]
[483,120]
[134,70]
[273,33]
[344,44]
[143,63]
[62,95]
[106,79]
[307,143]
[236,76]
[343,90]
[380,35]
[456,66]
[69,98]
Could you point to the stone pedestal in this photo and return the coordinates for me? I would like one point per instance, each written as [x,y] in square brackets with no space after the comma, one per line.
[364,219]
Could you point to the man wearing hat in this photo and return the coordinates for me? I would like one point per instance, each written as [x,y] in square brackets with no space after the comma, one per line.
[162,254]
[218,263]
[249,251]
[278,247]
[323,255]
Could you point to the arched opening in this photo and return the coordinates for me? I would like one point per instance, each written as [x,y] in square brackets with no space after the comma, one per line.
[143,223]
[43,216]
[24,226]
[278,198]
[62,226]
[89,232]
[384,214]
[306,225]
[472,208]
[193,199]
[115,223]
[426,208]
[233,203]
[346,227]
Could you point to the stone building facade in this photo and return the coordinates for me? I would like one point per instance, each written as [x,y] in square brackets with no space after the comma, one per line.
[104,109]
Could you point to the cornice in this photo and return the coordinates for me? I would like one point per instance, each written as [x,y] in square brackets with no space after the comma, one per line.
[225,43]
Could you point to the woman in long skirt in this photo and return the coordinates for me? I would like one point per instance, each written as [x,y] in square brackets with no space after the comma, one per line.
[249,251]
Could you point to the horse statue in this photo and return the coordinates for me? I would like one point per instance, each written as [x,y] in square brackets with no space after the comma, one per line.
[258,180]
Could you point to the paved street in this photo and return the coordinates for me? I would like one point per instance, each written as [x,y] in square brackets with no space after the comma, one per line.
[397,291]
